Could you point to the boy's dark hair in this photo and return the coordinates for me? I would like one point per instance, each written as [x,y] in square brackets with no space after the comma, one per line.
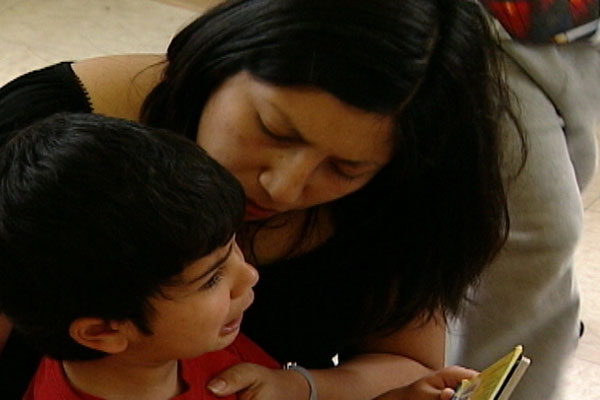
[95,215]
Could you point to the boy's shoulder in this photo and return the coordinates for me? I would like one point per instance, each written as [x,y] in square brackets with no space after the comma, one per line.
[49,381]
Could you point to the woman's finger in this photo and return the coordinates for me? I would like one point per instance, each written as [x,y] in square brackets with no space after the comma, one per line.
[235,379]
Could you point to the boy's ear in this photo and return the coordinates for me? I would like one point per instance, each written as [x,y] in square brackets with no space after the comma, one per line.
[100,334]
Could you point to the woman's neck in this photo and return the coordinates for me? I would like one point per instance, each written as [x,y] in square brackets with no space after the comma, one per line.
[285,236]
[114,378]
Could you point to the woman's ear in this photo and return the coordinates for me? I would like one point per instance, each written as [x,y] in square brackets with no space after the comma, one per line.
[99,334]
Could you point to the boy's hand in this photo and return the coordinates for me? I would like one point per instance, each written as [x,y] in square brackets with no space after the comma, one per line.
[437,386]
[255,382]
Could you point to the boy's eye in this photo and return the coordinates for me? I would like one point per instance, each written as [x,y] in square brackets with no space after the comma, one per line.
[214,279]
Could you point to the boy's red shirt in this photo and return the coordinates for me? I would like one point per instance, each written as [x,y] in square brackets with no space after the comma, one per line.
[50,383]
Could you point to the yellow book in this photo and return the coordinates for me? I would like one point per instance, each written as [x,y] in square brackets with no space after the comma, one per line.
[497,381]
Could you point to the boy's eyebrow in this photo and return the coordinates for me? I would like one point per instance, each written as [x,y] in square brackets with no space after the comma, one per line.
[213,267]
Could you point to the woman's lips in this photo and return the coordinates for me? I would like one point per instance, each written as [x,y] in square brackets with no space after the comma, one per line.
[254,211]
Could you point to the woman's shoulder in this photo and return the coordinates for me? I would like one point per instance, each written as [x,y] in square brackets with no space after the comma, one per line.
[50,80]
[40,93]
[117,85]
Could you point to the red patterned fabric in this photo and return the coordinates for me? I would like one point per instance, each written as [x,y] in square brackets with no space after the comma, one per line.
[546,21]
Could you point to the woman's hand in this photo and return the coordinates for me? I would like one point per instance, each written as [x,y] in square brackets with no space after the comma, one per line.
[255,382]
[387,363]
[437,386]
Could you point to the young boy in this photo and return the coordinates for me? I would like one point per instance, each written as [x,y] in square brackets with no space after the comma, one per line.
[118,258]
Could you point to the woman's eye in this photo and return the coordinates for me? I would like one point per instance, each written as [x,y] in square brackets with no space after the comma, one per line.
[342,174]
[273,135]
[214,279]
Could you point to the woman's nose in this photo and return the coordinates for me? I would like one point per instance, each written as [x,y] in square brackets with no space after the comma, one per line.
[287,177]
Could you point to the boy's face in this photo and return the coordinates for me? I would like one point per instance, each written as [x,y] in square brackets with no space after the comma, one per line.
[204,312]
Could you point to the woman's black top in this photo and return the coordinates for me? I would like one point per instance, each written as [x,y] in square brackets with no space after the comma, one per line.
[305,307]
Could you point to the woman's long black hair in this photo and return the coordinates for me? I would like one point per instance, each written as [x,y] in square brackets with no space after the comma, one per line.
[426,226]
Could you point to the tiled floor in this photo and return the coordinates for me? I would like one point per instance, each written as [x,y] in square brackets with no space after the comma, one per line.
[36,33]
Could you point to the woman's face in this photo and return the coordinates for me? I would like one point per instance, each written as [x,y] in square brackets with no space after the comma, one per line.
[291,148]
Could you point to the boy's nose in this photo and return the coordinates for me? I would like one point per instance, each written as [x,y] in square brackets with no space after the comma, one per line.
[247,278]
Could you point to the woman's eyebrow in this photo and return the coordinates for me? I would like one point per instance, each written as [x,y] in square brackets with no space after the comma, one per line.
[213,267]
[287,122]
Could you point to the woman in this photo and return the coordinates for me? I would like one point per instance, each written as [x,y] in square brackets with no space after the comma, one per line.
[365,135]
